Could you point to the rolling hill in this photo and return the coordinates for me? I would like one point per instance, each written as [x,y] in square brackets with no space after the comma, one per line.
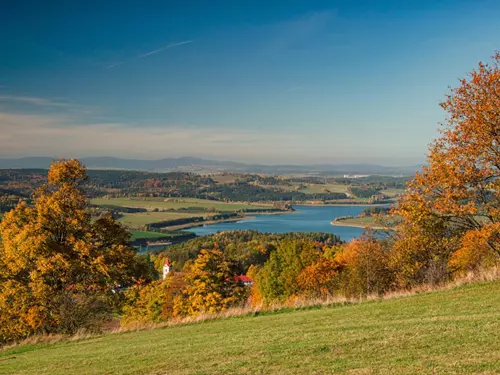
[445,332]
[191,164]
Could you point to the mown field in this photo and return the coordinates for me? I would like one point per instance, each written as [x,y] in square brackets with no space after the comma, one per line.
[324,188]
[197,208]
[367,221]
[175,203]
[392,192]
[361,221]
[447,332]
[139,220]
[140,234]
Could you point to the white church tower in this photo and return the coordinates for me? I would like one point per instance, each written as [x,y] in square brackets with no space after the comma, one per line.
[166,268]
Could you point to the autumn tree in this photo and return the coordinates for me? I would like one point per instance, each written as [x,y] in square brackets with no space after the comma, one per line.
[152,302]
[320,279]
[365,267]
[212,286]
[278,279]
[453,204]
[56,264]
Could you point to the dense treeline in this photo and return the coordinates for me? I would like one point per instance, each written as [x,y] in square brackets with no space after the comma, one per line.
[363,191]
[377,210]
[245,247]
[253,193]
[250,188]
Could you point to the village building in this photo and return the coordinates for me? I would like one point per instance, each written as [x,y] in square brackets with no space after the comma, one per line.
[245,280]
[167,266]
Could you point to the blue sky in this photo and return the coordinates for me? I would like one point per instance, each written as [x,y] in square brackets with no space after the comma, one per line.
[260,81]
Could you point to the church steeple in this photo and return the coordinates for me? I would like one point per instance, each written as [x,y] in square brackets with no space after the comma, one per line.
[166,268]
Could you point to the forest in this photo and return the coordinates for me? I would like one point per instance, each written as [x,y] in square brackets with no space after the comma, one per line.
[18,184]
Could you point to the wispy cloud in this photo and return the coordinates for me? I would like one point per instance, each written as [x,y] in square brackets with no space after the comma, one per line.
[171,45]
[297,33]
[294,88]
[57,135]
[115,64]
[32,100]
[164,48]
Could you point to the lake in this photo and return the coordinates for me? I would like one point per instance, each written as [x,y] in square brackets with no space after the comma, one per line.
[304,219]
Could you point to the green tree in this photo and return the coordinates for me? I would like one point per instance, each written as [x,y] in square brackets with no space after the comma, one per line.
[278,279]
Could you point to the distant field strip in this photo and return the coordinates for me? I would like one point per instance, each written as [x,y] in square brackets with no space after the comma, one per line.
[447,332]
[141,219]
[175,203]
[324,188]
[139,234]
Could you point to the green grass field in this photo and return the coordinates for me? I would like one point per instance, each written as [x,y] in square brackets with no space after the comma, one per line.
[364,221]
[446,332]
[140,234]
[139,220]
[392,192]
[324,188]
[174,203]
[368,221]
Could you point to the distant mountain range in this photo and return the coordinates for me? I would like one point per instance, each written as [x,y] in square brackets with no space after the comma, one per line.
[198,165]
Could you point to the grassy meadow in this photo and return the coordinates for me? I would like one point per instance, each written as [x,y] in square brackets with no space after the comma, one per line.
[391,193]
[139,220]
[444,332]
[175,203]
[140,234]
[324,188]
[367,221]
[197,207]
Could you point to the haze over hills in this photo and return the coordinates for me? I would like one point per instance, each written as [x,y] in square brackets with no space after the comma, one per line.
[199,165]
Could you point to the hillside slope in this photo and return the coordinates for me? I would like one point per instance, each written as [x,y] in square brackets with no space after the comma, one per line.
[448,332]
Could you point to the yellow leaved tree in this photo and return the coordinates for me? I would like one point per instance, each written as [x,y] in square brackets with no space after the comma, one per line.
[57,265]
[212,286]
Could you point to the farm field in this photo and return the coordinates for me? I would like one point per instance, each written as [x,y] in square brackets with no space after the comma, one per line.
[139,220]
[140,234]
[392,192]
[324,188]
[444,332]
[175,203]
[363,221]
[366,221]
[223,178]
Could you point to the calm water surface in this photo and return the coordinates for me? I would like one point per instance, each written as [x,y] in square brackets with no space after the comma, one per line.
[304,219]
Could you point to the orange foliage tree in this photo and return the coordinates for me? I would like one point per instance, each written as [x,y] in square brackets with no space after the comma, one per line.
[212,286]
[365,263]
[320,279]
[153,302]
[55,262]
[458,193]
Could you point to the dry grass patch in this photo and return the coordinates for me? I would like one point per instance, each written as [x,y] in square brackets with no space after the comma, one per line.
[446,330]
